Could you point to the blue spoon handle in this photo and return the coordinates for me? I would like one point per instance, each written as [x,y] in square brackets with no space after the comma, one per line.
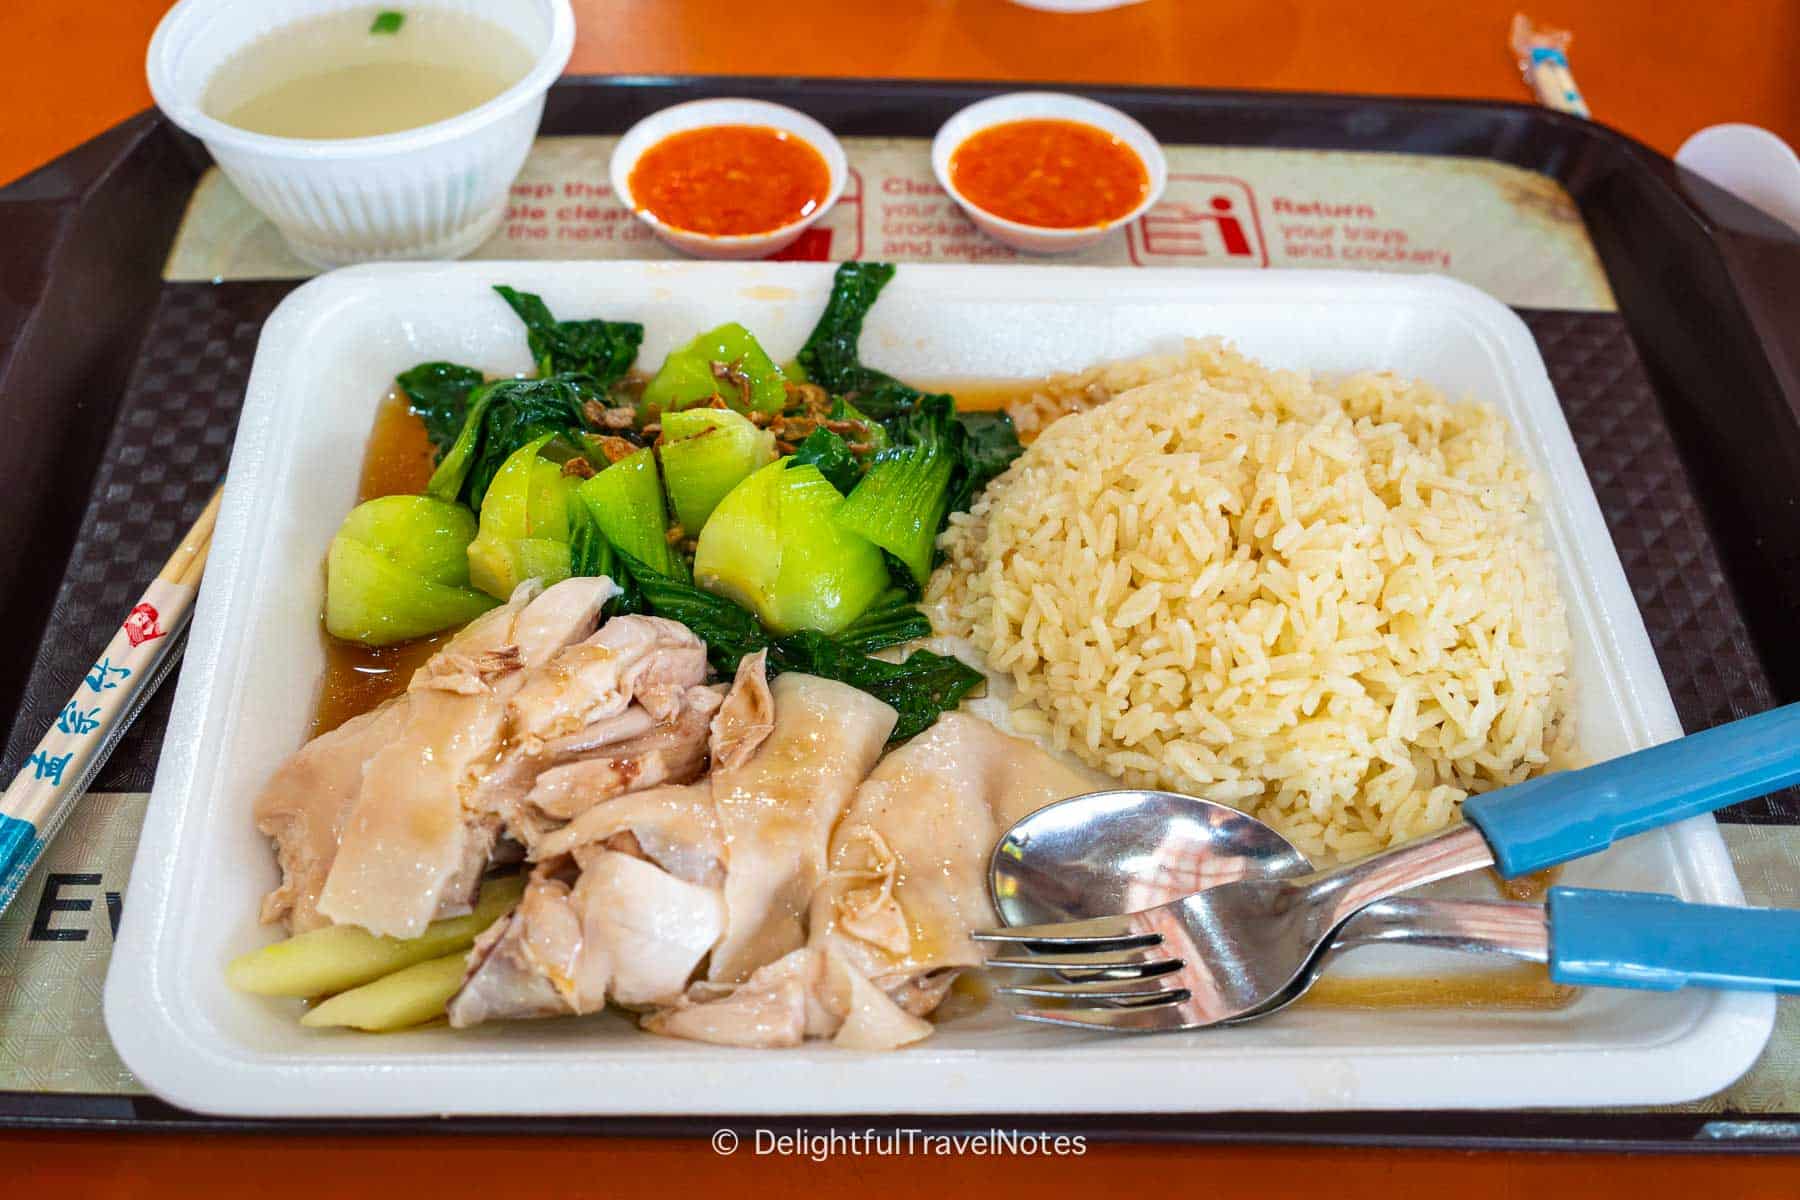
[1567,814]
[1646,940]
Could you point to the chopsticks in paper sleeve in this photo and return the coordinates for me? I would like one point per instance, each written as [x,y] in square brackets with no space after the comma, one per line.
[106,701]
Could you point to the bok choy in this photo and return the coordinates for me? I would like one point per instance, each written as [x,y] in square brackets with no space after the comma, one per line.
[592,353]
[726,363]
[626,503]
[438,394]
[526,529]
[398,569]
[502,417]
[577,361]
[677,492]
[935,459]
[706,452]
[774,546]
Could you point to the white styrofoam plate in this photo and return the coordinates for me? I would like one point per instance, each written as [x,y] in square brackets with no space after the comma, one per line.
[255,657]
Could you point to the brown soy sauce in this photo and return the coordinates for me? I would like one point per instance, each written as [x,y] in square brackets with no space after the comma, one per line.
[398,461]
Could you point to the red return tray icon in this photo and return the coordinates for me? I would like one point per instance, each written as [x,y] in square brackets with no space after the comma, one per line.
[1200,217]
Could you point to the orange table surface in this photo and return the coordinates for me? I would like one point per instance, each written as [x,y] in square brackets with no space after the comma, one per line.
[1657,71]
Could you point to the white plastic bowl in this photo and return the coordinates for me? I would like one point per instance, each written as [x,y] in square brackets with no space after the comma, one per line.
[701,114]
[436,191]
[1056,106]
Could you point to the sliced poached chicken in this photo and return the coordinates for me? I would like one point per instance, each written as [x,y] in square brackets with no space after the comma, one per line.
[408,842]
[746,718]
[806,993]
[820,890]
[305,803]
[526,691]
[675,826]
[631,658]
[619,711]
[673,752]
[777,810]
[625,930]
[909,861]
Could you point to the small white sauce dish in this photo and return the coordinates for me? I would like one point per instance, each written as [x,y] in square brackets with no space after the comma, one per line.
[433,192]
[703,114]
[1046,106]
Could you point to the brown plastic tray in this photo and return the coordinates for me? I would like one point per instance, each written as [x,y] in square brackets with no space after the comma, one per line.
[120,393]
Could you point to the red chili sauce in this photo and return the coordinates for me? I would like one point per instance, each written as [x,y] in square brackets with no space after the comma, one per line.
[1050,173]
[726,180]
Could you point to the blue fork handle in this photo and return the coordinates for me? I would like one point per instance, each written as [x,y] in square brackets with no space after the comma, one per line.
[1647,940]
[1567,814]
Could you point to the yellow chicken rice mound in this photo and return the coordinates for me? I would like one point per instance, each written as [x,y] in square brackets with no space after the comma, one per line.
[1329,603]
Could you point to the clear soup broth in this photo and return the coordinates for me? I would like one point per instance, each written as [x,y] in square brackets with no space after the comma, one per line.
[359,73]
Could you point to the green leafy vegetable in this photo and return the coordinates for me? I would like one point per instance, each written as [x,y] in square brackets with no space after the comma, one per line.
[476,426]
[369,599]
[989,449]
[449,481]
[874,432]
[387,22]
[398,569]
[589,551]
[903,499]
[729,630]
[426,538]
[831,454]
[773,545]
[727,363]
[705,452]
[525,527]
[935,460]
[786,561]
[438,393]
[831,357]
[892,619]
[920,688]
[900,504]
[502,417]
[626,501]
[593,353]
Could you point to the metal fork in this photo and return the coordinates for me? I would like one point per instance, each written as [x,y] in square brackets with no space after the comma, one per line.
[1510,929]
[1585,936]
[1224,954]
